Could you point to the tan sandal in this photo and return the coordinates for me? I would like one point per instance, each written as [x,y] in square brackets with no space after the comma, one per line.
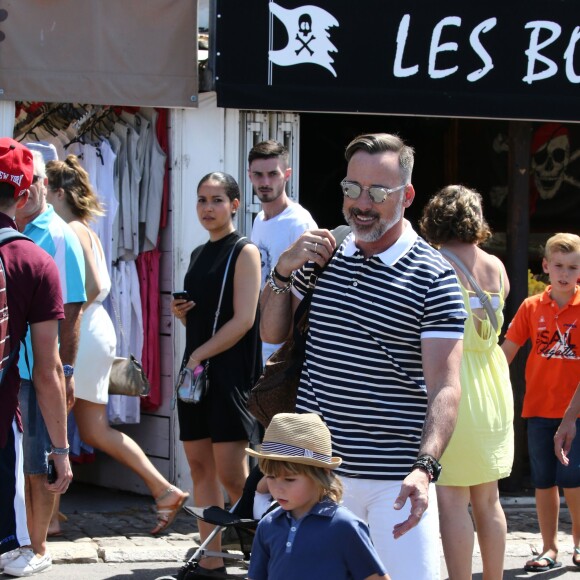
[166,515]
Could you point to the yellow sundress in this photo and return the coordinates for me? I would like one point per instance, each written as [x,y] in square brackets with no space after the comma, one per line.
[482,446]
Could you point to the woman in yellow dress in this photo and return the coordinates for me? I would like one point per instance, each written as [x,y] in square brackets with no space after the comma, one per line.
[481,449]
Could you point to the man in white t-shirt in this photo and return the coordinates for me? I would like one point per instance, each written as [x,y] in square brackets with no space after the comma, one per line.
[281,221]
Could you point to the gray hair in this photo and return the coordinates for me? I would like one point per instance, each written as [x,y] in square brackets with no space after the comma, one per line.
[381,142]
[39,166]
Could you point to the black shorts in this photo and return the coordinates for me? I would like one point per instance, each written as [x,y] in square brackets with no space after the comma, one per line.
[222,416]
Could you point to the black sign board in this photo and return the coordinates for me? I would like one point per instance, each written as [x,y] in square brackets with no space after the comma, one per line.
[512,59]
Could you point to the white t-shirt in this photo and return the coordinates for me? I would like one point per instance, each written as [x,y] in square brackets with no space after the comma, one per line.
[273,236]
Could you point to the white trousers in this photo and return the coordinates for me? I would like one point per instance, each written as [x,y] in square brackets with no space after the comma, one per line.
[416,555]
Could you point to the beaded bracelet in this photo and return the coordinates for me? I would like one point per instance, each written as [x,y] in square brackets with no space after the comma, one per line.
[275,288]
[59,450]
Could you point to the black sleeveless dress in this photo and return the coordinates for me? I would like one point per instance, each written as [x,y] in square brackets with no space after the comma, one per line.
[223,415]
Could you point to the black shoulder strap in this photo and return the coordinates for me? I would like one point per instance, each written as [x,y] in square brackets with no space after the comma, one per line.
[339,233]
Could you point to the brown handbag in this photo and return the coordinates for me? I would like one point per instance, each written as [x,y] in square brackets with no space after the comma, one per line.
[277,388]
[128,378]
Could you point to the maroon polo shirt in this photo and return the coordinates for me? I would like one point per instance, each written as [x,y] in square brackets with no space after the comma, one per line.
[34,295]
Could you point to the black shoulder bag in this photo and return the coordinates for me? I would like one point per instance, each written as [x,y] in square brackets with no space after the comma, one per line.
[276,390]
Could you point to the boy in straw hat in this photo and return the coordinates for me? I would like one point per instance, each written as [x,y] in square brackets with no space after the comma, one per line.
[309,535]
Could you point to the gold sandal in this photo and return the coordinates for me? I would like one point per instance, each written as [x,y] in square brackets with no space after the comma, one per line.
[166,515]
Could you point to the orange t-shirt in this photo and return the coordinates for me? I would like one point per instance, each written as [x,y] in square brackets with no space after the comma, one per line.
[553,366]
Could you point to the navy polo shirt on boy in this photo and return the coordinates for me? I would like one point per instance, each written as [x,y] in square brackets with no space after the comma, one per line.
[328,542]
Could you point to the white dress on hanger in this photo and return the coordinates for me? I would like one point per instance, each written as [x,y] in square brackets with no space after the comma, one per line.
[98,342]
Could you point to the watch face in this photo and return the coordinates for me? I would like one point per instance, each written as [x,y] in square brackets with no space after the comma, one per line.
[68,370]
[436,467]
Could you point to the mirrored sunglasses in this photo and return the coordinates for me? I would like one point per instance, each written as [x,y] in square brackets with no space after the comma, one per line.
[377,193]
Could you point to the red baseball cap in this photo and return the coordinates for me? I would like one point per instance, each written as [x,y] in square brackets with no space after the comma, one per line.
[16,165]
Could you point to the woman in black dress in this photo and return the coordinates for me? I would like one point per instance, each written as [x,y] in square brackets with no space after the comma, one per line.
[216,431]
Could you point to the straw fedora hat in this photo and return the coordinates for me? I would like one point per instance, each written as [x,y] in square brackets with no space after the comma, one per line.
[298,438]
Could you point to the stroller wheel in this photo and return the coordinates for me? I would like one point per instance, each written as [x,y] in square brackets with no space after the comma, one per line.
[192,571]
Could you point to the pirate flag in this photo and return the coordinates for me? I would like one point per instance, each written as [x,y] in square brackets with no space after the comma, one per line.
[308,36]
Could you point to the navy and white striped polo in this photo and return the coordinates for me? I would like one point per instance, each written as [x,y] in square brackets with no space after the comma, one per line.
[363,371]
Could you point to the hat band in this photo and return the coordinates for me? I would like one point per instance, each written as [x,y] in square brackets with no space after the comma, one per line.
[291,451]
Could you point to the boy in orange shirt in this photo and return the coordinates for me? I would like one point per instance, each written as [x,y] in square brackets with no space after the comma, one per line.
[552,321]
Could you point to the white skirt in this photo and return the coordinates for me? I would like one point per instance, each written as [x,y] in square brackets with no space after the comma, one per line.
[97,347]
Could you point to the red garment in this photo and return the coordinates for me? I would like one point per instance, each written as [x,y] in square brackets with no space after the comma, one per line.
[148,271]
[34,295]
[553,365]
[162,133]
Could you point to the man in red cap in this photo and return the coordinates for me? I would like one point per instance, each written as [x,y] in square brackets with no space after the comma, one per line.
[33,297]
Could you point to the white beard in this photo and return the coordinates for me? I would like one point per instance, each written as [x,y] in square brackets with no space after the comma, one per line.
[377,230]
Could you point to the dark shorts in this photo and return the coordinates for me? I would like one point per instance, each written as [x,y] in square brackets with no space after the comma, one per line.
[546,470]
[36,441]
[222,416]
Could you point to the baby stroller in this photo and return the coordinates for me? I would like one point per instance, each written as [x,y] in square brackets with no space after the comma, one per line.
[240,519]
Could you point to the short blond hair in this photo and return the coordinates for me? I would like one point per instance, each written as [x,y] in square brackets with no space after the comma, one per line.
[565,243]
[329,484]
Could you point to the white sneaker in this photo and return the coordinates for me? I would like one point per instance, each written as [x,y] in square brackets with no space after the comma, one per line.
[28,563]
[7,557]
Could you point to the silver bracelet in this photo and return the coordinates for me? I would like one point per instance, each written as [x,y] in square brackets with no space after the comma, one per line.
[275,288]
[59,450]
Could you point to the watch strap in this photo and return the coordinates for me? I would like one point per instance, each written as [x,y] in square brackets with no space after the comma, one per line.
[429,465]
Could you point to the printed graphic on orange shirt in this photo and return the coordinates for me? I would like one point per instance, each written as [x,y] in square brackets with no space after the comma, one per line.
[559,344]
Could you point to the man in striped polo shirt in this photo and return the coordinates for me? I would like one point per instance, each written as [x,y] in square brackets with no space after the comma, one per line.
[383,352]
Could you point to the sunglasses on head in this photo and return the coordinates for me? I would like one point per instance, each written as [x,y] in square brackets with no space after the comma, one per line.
[377,193]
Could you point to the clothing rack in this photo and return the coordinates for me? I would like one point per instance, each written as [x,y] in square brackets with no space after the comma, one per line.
[90,123]
[50,116]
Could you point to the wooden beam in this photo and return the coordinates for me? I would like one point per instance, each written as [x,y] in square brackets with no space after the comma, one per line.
[518,230]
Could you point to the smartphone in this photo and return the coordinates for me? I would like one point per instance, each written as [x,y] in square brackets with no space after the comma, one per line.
[183,295]
[51,476]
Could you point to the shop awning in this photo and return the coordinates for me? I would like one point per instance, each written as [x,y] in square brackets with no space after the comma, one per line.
[104,52]
[516,59]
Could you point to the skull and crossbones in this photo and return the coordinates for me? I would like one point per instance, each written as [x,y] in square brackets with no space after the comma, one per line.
[305,28]
[550,162]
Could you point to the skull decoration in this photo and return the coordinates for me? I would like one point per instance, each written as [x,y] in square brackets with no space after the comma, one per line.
[549,165]
[305,24]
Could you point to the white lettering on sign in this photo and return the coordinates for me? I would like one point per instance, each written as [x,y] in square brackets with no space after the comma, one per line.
[569,56]
[484,26]
[401,71]
[398,69]
[533,52]
[436,48]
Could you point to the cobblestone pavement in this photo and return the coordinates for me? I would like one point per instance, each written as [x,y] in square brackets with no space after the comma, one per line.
[112,527]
